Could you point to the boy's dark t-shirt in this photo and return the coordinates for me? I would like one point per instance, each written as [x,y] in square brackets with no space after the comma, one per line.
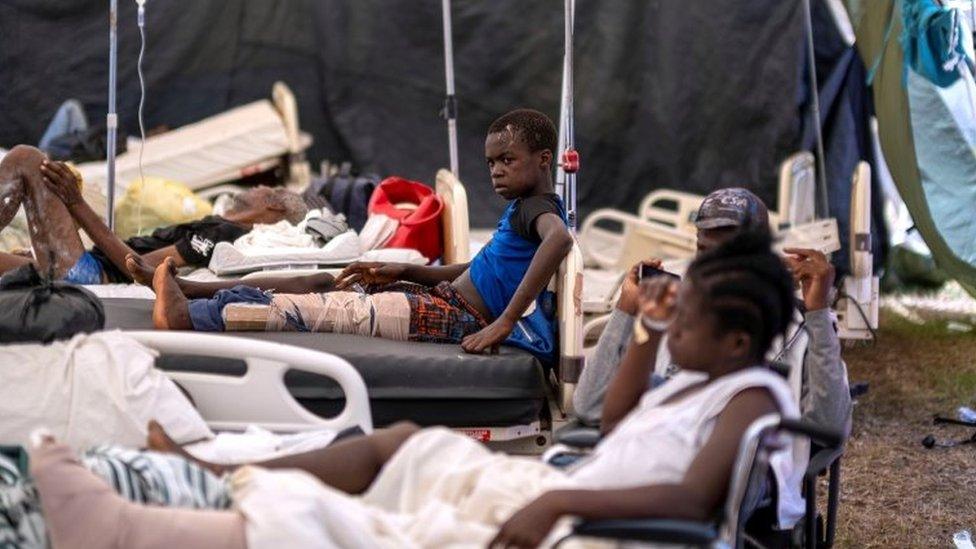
[527,210]
[194,241]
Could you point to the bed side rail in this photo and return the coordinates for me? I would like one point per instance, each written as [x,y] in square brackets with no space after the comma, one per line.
[260,396]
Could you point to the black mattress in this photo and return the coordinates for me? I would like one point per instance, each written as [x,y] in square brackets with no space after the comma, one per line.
[427,383]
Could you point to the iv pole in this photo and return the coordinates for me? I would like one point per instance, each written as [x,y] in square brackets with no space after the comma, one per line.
[112,118]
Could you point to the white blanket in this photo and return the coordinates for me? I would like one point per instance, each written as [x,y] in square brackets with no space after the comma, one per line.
[94,389]
[229,259]
[441,489]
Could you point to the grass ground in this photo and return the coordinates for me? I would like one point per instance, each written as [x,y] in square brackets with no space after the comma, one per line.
[895,493]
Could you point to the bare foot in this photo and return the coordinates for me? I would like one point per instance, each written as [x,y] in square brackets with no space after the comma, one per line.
[171,310]
[158,441]
[140,272]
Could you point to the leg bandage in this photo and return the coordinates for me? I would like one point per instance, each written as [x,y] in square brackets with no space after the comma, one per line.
[384,315]
[83,512]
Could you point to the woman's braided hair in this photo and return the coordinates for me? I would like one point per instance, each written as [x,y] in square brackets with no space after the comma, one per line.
[747,287]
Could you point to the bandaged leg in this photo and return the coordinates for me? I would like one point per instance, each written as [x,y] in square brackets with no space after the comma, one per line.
[385,315]
[82,511]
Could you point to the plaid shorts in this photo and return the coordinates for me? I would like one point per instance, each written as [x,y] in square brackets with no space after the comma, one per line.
[439,314]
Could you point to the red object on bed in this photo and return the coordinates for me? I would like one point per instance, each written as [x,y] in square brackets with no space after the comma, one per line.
[418,211]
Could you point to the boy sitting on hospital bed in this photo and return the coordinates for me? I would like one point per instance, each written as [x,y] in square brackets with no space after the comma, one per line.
[667,453]
[500,295]
[51,195]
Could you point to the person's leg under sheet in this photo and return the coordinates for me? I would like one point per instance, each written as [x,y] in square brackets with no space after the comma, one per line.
[82,511]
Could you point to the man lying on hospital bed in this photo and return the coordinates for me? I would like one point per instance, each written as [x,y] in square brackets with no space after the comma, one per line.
[498,296]
[811,347]
[666,453]
[51,195]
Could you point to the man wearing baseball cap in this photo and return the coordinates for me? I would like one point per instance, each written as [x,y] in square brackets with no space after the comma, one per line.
[812,347]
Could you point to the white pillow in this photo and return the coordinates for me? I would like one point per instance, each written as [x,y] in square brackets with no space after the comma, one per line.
[100,388]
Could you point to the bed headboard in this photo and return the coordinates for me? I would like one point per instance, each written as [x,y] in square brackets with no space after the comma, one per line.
[457,246]
[570,297]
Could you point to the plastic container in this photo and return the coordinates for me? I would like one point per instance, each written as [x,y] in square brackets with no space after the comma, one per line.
[967,414]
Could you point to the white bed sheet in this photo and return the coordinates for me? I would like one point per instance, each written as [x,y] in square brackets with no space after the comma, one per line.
[258,444]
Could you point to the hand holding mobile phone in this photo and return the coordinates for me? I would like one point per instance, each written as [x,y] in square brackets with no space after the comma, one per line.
[646,272]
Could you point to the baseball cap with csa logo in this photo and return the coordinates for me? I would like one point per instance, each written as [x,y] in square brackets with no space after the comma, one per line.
[735,207]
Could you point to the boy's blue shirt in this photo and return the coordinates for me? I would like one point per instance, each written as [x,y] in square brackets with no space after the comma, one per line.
[497,271]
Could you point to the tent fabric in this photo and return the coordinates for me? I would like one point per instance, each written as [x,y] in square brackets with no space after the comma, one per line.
[932,40]
[845,111]
[929,146]
[691,96]
[685,95]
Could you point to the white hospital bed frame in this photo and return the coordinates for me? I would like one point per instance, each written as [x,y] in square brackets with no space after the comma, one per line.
[665,226]
[260,397]
[857,309]
[237,143]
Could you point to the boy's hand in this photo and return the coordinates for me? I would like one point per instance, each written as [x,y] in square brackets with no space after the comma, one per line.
[815,275]
[529,526]
[657,298]
[489,337]
[370,273]
[627,302]
[62,182]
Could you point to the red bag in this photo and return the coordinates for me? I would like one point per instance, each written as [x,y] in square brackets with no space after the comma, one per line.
[417,209]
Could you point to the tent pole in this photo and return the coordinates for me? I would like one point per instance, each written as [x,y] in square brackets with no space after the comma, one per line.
[824,206]
[570,158]
[112,118]
[450,101]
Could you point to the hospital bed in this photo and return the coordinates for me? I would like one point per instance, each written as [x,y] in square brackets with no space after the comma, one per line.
[238,143]
[510,400]
[665,219]
[664,227]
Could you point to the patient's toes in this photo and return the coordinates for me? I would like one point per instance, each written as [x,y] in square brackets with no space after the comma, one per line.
[158,440]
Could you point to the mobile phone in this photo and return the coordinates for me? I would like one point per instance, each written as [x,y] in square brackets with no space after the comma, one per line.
[650,271]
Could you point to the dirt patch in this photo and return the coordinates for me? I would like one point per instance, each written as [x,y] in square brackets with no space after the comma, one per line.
[895,493]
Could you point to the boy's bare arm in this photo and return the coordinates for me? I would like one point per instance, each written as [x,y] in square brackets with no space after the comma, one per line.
[366,272]
[556,243]
[430,275]
[696,497]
